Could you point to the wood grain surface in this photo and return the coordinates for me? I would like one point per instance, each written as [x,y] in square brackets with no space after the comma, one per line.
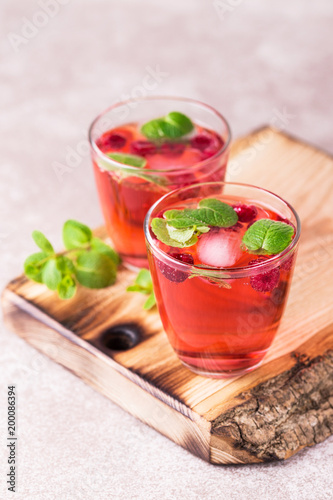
[268,414]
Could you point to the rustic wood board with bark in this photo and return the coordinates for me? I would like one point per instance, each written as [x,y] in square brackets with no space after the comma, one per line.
[269,414]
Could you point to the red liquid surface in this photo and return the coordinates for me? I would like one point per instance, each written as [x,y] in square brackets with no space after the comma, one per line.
[218,330]
[125,199]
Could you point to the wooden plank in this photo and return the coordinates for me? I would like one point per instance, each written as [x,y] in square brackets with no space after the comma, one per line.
[222,421]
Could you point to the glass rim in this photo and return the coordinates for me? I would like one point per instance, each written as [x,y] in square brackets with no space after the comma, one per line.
[233,272]
[130,168]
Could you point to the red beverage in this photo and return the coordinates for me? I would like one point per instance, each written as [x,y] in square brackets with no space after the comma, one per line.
[127,192]
[220,303]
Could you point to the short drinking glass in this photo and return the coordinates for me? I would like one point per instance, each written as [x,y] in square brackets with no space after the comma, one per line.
[222,287]
[135,166]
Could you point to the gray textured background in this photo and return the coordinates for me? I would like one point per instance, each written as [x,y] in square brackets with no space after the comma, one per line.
[253,60]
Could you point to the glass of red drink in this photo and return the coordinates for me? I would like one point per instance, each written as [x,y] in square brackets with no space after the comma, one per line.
[220,302]
[126,192]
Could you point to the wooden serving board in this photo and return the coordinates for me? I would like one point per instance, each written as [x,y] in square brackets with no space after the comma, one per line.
[269,414]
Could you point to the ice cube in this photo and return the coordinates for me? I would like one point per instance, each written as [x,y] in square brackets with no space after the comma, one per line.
[219,248]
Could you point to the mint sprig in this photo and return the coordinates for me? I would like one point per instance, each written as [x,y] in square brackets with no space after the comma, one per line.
[172,126]
[181,228]
[211,212]
[127,159]
[88,261]
[268,237]
[143,284]
[163,232]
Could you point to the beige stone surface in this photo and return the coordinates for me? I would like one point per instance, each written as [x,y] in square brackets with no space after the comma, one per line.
[257,62]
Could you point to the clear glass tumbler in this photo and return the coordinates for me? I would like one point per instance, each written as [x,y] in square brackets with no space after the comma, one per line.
[219,320]
[127,192]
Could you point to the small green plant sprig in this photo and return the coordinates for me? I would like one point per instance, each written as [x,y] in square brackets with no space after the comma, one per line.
[87,261]
[181,228]
[143,284]
[172,126]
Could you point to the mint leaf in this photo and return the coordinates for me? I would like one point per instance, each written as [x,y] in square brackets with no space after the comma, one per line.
[150,302]
[88,260]
[181,235]
[181,121]
[75,234]
[160,229]
[136,288]
[203,229]
[34,264]
[95,270]
[216,213]
[51,275]
[266,236]
[143,284]
[143,279]
[66,288]
[278,237]
[65,265]
[211,275]
[254,237]
[152,130]
[127,159]
[173,126]
[170,131]
[42,242]
[180,219]
[211,212]
[101,247]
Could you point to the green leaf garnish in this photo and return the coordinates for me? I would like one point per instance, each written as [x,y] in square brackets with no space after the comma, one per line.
[88,261]
[34,264]
[209,274]
[162,232]
[42,242]
[211,212]
[269,237]
[152,130]
[95,270]
[173,126]
[101,247]
[170,131]
[143,284]
[51,275]
[181,121]
[150,302]
[65,265]
[75,234]
[180,228]
[181,235]
[66,288]
[127,159]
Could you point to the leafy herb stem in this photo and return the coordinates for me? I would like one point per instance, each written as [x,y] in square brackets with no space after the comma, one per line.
[87,260]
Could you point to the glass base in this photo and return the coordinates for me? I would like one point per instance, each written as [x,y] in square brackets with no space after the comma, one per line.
[223,367]
[223,374]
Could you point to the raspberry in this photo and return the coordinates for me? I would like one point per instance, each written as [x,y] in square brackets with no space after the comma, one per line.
[187,258]
[173,274]
[264,282]
[113,141]
[288,263]
[172,148]
[143,148]
[208,144]
[201,142]
[246,213]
